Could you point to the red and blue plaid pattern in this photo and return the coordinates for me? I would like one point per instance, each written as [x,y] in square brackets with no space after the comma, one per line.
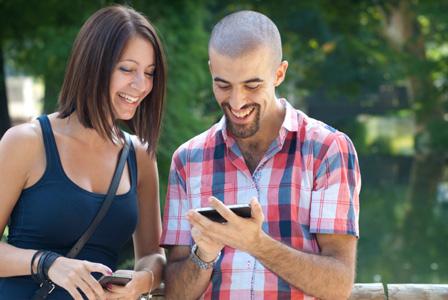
[308,182]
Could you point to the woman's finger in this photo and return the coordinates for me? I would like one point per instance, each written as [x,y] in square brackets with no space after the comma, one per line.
[85,288]
[94,285]
[73,291]
[96,267]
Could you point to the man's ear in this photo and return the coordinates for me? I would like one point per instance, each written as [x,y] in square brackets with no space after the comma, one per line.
[280,73]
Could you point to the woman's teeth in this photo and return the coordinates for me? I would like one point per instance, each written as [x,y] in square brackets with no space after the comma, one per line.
[128,98]
[241,114]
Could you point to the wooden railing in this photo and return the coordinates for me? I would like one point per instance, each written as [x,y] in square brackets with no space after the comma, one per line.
[375,291]
[378,291]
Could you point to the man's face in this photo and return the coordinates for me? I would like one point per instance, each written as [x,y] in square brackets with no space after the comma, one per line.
[244,88]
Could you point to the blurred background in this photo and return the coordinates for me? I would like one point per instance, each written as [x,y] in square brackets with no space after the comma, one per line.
[377,70]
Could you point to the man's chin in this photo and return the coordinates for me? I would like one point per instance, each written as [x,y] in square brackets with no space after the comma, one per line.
[243,132]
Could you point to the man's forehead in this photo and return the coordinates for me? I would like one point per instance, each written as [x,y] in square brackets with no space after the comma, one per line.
[245,67]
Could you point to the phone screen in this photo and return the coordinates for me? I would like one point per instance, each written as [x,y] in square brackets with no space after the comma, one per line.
[242,210]
[117,279]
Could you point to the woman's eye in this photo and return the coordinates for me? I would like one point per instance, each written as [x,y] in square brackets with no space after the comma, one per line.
[125,69]
[149,74]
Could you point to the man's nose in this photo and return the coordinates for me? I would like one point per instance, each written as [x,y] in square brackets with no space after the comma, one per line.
[236,100]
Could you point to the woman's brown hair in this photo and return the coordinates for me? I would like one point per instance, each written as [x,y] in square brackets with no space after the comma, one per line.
[95,53]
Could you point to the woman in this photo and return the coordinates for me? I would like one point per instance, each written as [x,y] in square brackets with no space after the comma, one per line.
[56,170]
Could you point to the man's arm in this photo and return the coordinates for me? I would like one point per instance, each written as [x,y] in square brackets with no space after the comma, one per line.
[327,275]
[183,279]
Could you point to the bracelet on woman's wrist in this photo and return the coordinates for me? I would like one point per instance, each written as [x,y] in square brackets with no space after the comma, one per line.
[146,295]
[151,273]
[34,275]
[45,261]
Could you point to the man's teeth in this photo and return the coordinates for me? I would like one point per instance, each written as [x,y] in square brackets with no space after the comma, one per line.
[128,98]
[242,113]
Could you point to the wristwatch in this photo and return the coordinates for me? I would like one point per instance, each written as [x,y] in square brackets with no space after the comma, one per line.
[199,262]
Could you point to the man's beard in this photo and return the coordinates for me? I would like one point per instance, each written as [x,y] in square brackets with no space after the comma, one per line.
[242,131]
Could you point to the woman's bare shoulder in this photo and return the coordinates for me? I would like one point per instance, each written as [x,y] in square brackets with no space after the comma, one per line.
[24,140]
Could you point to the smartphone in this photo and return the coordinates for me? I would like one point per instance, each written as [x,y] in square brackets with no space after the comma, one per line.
[117,279]
[242,210]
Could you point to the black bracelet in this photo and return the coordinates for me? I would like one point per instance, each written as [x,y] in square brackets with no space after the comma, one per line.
[33,274]
[40,265]
[48,262]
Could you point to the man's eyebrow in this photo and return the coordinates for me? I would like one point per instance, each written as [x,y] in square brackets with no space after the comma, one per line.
[256,79]
[253,80]
[218,79]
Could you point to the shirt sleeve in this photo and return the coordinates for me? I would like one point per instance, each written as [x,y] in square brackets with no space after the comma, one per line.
[176,228]
[336,187]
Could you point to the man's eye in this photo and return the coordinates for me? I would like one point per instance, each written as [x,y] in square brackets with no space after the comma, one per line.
[253,87]
[223,87]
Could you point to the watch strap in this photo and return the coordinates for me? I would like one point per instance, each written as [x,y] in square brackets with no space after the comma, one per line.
[203,265]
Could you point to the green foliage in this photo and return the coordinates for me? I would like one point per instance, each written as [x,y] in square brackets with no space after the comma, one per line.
[5,234]
[386,252]
[337,47]
[181,27]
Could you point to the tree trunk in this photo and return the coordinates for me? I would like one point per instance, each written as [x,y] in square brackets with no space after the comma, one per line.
[5,121]
[403,32]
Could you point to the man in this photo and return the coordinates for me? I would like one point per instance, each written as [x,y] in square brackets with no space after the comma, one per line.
[300,176]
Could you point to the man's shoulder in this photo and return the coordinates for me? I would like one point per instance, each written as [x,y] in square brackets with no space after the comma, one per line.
[313,130]
[317,137]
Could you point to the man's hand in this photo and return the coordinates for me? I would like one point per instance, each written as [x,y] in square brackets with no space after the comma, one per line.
[239,233]
[208,249]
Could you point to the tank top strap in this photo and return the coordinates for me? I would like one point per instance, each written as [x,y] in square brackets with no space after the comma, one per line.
[132,165]
[54,167]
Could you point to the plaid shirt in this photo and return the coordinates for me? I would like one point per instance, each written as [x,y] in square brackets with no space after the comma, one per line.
[308,182]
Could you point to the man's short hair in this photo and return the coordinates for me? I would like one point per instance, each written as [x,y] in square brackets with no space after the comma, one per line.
[244,31]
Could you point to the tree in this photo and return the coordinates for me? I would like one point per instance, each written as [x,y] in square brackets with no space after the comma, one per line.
[24,34]
[5,121]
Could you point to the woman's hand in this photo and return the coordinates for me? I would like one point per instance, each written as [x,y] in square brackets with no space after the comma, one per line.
[74,274]
[142,282]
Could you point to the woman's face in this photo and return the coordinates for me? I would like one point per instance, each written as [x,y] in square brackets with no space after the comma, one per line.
[132,77]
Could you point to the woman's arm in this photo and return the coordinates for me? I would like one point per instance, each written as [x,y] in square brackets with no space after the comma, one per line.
[21,153]
[149,256]
[22,163]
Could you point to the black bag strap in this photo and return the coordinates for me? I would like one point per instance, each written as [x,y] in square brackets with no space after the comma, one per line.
[47,287]
[106,203]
